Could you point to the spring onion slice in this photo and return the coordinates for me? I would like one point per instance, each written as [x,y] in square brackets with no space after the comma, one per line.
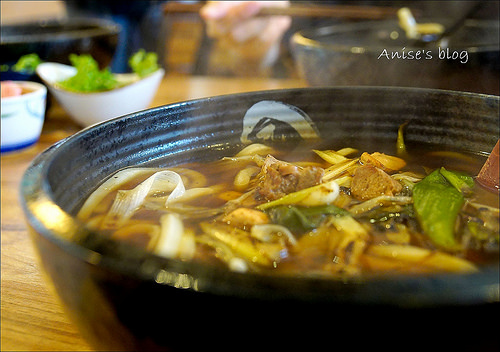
[324,193]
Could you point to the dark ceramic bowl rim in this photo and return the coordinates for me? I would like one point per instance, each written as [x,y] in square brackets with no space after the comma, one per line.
[401,291]
[311,38]
[99,27]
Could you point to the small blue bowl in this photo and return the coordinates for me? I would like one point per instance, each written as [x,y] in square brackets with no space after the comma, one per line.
[22,116]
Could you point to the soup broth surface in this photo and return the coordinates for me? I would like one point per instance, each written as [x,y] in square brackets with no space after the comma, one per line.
[309,211]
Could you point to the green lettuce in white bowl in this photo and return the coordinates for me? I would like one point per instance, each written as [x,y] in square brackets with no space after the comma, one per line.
[91,95]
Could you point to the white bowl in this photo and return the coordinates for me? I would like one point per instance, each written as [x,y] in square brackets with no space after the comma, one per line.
[22,116]
[90,108]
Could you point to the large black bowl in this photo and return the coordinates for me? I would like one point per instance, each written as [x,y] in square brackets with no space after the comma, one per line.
[125,299]
[53,40]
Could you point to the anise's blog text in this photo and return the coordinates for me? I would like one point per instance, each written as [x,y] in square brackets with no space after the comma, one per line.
[423,54]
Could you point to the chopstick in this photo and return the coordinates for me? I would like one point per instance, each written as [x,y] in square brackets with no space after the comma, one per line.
[302,10]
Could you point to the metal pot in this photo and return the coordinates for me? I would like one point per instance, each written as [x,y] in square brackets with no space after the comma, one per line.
[379,54]
[54,40]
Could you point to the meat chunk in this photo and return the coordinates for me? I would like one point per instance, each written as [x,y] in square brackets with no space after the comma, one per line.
[369,182]
[246,217]
[278,178]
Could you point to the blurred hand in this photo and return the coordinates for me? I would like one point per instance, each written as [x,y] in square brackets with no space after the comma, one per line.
[235,25]
[238,20]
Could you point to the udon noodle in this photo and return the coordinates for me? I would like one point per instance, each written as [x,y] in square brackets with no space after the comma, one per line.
[332,213]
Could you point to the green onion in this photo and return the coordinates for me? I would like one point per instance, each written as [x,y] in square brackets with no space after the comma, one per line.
[400,142]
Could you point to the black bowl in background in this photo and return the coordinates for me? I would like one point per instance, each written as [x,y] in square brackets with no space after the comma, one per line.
[125,299]
[377,53]
[53,41]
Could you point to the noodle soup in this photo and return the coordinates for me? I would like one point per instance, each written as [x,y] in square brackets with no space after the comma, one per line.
[313,211]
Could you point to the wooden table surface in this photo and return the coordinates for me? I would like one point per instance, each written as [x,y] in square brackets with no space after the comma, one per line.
[32,318]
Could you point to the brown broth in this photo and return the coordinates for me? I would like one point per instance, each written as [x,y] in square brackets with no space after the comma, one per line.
[313,254]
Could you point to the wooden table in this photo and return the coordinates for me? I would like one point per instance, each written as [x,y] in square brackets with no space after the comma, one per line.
[32,318]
